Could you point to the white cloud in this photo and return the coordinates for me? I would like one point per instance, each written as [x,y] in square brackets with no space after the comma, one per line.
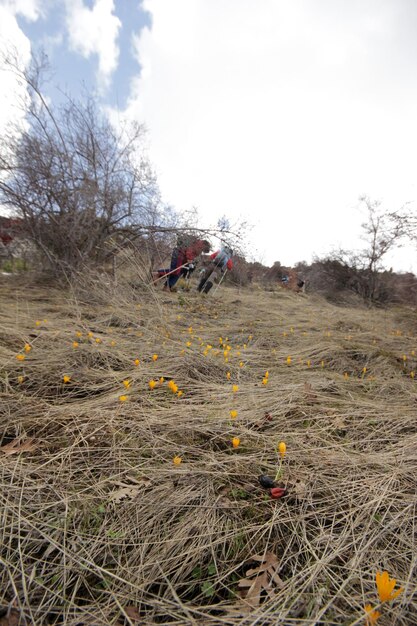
[29,9]
[13,44]
[283,111]
[95,31]
[13,93]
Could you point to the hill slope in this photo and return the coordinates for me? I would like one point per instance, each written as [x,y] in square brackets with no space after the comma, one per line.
[100,526]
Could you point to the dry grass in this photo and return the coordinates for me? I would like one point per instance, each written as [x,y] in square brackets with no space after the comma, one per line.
[99,527]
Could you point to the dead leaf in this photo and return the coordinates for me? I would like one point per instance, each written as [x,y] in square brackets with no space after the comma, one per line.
[339,424]
[128,480]
[16,447]
[264,421]
[132,612]
[12,618]
[310,395]
[261,582]
[300,489]
[129,493]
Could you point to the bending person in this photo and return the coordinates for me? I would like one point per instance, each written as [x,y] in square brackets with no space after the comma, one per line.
[220,261]
[181,256]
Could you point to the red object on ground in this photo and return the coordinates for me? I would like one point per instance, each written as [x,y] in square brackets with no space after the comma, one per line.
[277,492]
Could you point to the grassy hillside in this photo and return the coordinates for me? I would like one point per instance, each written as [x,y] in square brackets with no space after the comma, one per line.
[99,525]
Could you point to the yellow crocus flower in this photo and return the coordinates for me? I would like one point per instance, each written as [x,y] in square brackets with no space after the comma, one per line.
[282,448]
[372,615]
[385,587]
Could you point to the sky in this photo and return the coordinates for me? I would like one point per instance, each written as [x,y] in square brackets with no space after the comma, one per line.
[278,113]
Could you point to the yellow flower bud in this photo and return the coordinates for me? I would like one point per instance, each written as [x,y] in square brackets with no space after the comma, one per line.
[282,448]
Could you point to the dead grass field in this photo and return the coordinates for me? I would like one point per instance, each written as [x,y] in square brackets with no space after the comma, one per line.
[99,526]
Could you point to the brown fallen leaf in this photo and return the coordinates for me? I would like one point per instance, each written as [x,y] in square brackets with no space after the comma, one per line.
[261,582]
[299,488]
[132,612]
[12,618]
[340,427]
[310,395]
[16,446]
[264,420]
[125,492]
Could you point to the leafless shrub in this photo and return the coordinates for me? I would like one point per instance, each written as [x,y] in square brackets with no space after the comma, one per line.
[80,186]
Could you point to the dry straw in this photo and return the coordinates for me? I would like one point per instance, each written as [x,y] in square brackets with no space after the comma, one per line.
[99,526]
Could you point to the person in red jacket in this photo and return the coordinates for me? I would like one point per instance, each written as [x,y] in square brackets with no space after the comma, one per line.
[181,257]
[220,262]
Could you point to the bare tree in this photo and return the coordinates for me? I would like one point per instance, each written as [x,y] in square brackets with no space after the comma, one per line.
[406,220]
[381,234]
[80,186]
[360,271]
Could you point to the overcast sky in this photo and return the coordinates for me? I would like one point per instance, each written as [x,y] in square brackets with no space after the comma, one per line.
[277,112]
